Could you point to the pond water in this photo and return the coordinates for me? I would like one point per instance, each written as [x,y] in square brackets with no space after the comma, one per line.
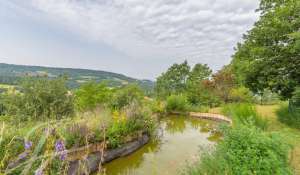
[180,140]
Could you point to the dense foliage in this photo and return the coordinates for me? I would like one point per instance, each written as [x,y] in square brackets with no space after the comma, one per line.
[200,86]
[290,114]
[176,103]
[40,99]
[124,96]
[91,94]
[244,114]
[45,131]
[173,81]
[269,56]
[245,150]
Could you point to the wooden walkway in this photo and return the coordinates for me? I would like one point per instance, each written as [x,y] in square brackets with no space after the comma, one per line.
[211,116]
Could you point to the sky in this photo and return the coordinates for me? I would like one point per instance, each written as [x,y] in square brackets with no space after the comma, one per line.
[138,38]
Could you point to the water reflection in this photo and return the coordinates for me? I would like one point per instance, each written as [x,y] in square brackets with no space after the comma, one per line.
[179,142]
[175,124]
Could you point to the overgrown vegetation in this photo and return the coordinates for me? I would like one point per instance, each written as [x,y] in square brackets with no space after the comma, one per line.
[177,103]
[39,99]
[266,64]
[245,150]
[41,118]
[49,124]
[291,118]
[245,114]
[201,88]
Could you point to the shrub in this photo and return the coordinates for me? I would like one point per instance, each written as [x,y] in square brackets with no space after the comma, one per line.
[177,103]
[240,94]
[155,106]
[245,150]
[41,99]
[125,96]
[91,94]
[244,114]
[294,103]
[289,117]
[198,108]
[203,96]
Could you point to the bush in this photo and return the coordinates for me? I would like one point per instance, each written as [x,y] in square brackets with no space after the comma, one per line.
[244,114]
[198,108]
[156,106]
[202,96]
[41,99]
[124,96]
[245,150]
[289,117]
[241,94]
[91,94]
[177,103]
[294,103]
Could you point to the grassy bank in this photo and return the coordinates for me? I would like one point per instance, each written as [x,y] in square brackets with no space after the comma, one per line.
[290,134]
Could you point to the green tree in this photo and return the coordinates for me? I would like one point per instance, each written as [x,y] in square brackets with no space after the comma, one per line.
[241,94]
[224,82]
[199,73]
[173,81]
[126,95]
[91,94]
[269,56]
[198,92]
[41,99]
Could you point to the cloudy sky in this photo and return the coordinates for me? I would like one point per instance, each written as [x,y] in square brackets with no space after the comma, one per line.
[139,38]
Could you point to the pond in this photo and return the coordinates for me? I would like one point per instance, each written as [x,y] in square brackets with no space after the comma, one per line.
[180,140]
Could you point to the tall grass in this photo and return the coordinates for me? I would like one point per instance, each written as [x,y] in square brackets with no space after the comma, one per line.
[244,114]
[177,103]
[35,146]
[244,150]
[289,117]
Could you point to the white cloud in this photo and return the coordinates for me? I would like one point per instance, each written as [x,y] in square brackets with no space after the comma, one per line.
[198,30]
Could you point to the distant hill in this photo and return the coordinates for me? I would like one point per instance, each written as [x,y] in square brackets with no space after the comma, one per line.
[11,74]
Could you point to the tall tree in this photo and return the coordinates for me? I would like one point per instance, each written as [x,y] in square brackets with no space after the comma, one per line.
[224,82]
[197,92]
[173,81]
[199,73]
[269,58]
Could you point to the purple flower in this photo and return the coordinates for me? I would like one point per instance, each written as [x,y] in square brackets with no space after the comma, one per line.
[60,149]
[27,145]
[38,172]
[23,155]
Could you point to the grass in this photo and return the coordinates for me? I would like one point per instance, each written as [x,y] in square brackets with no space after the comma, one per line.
[86,128]
[246,114]
[245,150]
[291,135]
[289,117]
